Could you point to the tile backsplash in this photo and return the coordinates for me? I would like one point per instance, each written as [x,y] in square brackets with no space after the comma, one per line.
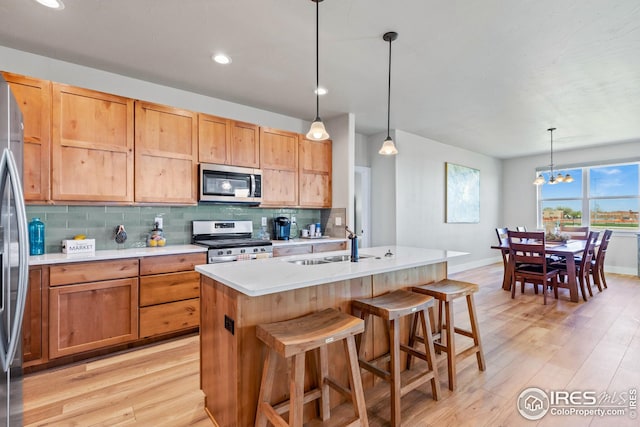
[99,222]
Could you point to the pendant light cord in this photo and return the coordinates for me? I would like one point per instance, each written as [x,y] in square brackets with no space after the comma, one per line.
[551,131]
[389,92]
[317,59]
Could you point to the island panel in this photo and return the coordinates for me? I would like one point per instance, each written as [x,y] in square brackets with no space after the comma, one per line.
[234,362]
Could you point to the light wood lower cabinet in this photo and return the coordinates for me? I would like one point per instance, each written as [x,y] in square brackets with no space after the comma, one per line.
[92,305]
[169,293]
[308,248]
[83,309]
[329,246]
[35,312]
[92,315]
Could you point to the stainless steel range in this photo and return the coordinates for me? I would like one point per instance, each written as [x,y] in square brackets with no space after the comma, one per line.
[229,241]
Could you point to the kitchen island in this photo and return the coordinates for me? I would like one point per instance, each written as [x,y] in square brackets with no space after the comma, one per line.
[235,297]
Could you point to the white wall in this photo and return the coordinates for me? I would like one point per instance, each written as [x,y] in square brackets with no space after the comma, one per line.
[28,64]
[420,200]
[520,195]
[383,193]
[362,156]
[342,131]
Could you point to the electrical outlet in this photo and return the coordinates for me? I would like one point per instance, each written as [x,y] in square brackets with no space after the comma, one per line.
[338,220]
[264,221]
[293,220]
[158,220]
[229,324]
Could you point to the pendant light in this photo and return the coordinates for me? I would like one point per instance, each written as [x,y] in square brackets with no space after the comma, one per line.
[317,132]
[553,179]
[388,148]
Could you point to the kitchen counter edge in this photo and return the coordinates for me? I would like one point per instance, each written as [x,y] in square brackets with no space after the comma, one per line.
[273,275]
[101,255]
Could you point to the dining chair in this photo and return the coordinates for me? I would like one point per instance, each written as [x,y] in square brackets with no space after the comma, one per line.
[502,239]
[521,228]
[576,233]
[597,263]
[529,262]
[583,266]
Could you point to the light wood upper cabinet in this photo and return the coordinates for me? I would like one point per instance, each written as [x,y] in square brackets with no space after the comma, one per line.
[227,142]
[166,148]
[214,139]
[34,98]
[245,144]
[279,164]
[315,173]
[92,146]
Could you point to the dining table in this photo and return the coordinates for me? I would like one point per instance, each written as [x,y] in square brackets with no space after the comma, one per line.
[567,250]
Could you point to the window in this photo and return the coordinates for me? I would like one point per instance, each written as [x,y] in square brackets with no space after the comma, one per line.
[614,196]
[599,196]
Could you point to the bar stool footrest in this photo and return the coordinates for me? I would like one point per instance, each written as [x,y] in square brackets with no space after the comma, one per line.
[309,396]
[464,332]
[346,392]
[272,415]
[468,352]
[385,375]
[416,382]
[412,351]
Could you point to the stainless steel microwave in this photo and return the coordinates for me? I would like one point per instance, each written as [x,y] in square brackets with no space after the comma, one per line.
[230,184]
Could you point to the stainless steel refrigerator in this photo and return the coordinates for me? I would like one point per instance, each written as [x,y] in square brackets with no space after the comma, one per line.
[14,257]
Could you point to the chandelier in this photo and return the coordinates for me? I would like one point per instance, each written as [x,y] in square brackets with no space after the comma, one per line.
[553,179]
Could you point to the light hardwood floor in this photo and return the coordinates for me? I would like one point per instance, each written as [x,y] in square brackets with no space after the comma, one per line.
[591,346]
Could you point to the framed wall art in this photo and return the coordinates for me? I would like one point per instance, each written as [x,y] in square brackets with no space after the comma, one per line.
[463,194]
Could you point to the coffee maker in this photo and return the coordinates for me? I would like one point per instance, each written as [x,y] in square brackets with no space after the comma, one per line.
[281,228]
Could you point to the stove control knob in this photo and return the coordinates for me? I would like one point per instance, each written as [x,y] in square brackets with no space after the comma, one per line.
[262,249]
[255,249]
[241,251]
[229,252]
[220,252]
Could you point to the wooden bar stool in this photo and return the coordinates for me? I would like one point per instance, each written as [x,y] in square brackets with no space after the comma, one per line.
[291,339]
[392,307]
[445,292]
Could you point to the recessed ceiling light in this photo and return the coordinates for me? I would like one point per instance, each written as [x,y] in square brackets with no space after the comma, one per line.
[221,58]
[320,91]
[53,4]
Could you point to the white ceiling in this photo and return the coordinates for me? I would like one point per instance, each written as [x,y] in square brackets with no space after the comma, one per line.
[490,76]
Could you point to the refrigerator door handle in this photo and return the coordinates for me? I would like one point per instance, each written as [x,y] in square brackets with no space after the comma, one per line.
[8,167]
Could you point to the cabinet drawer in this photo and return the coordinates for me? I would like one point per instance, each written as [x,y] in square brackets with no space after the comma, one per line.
[171,263]
[65,274]
[169,287]
[291,250]
[89,316]
[330,246]
[169,317]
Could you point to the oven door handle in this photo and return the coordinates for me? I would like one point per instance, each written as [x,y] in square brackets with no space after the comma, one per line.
[220,259]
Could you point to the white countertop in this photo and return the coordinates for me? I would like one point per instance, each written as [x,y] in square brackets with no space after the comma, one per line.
[59,258]
[272,275]
[301,241]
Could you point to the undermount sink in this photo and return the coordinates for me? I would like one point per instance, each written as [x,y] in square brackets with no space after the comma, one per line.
[340,258]
[325,260]
[311,261]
